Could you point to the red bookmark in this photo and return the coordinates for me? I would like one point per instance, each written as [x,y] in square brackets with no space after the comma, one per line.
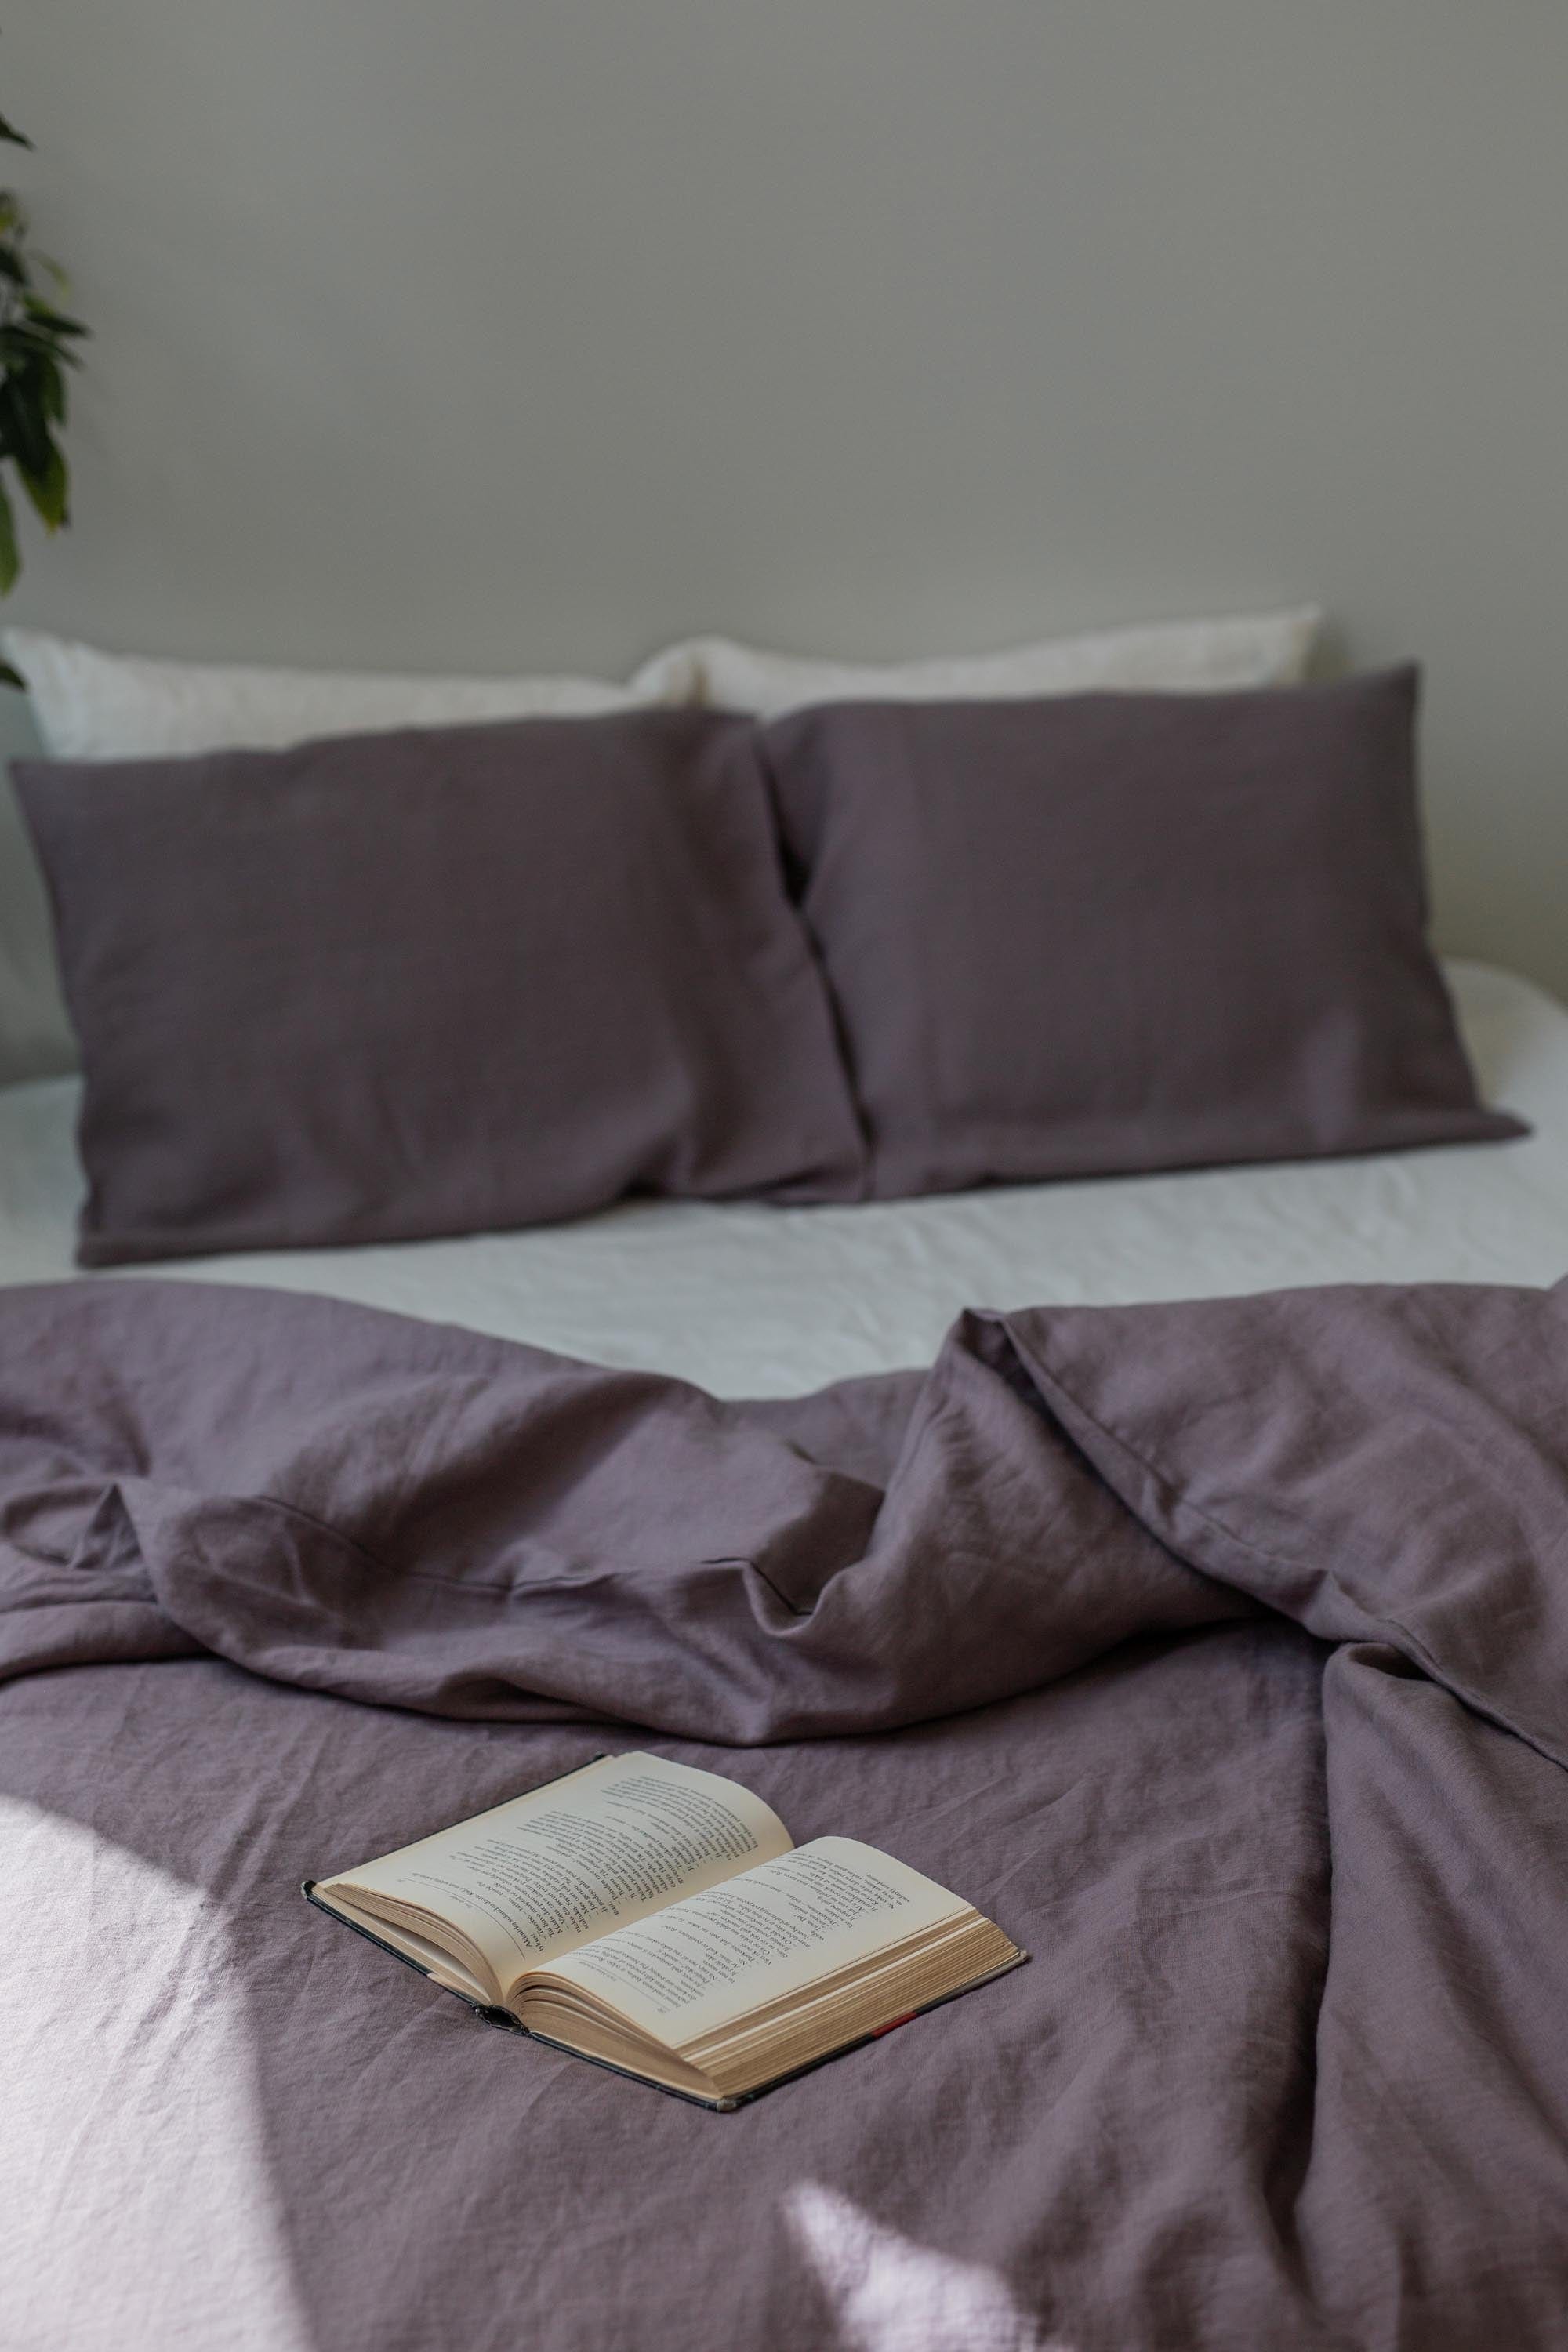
[892,2024]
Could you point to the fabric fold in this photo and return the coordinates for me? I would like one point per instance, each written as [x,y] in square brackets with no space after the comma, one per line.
[417,1517]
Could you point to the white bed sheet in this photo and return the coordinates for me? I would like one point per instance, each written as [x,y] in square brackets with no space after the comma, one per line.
[757,1301]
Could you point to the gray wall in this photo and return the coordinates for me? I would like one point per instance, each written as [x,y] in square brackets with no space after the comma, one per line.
[503,333]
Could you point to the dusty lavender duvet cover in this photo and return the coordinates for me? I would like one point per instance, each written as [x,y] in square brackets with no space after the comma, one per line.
[1219,1651]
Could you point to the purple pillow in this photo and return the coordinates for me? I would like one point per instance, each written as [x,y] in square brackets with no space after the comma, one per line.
[1119,932]
[433,982]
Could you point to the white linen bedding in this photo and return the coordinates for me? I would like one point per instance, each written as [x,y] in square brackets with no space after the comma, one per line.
[752,1300]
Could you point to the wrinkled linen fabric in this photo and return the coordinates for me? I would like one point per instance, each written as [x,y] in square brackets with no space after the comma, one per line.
[440,981]
[1098,934]
[1218,1651]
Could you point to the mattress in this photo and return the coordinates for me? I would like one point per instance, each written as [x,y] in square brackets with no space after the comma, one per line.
[753,1301]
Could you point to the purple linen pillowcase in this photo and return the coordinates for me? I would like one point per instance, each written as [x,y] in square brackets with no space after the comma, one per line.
[1111,932]
[434,981]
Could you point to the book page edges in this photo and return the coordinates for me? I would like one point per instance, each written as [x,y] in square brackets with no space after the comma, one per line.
[726,2104]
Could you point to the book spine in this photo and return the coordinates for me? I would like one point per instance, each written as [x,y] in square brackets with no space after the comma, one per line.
[500,2018]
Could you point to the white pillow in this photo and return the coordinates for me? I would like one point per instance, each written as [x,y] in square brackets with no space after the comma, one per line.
[1262,649]
[96,706]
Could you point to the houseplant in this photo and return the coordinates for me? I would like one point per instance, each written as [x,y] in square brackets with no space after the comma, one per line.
[38,345]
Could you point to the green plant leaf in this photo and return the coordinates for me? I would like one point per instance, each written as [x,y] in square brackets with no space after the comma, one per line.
[10,561]
[48,488]
[9,131]
[21,344]
[24,429]
[44,315]
[51,388]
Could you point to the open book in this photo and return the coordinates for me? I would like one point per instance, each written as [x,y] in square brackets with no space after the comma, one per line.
[659,1920]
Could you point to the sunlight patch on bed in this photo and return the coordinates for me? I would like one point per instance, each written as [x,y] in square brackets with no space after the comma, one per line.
[888,2295]
[136,2192]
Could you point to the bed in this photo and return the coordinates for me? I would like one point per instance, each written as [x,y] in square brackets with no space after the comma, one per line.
[240,2127]
[1169,1561]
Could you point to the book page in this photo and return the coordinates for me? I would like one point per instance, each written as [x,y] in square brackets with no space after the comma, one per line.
[535,1877]
[717,1955]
